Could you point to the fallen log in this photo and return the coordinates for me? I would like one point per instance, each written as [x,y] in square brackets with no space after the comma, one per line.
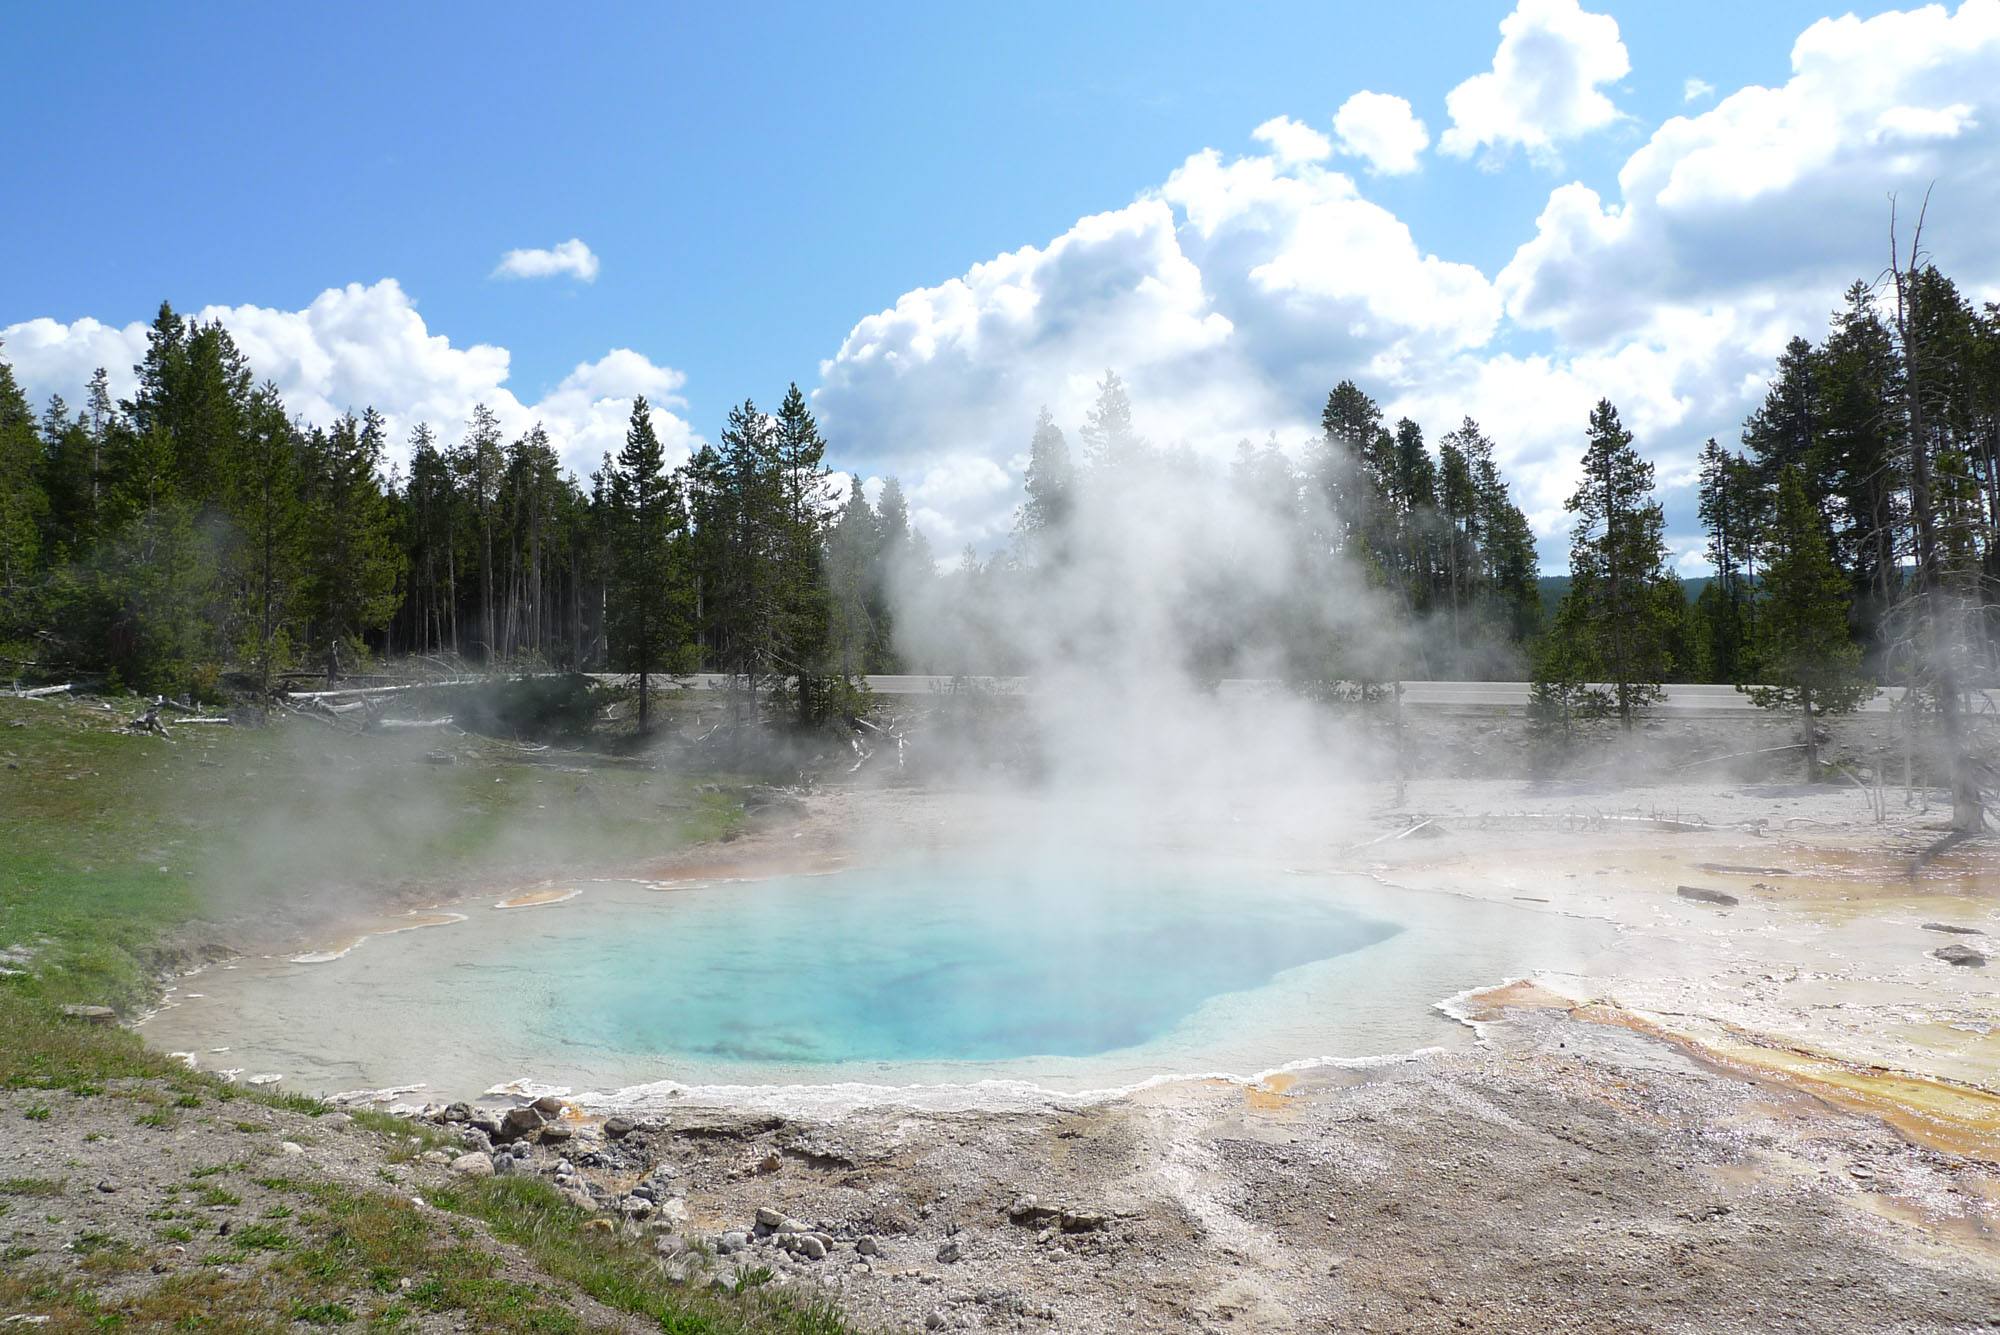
[41,692]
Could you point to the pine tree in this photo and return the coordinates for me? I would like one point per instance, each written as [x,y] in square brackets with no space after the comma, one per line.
[353,563]
[805,611]
[479,462]
[1801,648]
[1729,508]
[24,508]
[852,555]
[266,485]
[1111,441]
[649,613]
[1865,470]
[1051,484]
[1616,610]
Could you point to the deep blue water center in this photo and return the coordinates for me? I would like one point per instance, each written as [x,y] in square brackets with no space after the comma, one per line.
[905,965]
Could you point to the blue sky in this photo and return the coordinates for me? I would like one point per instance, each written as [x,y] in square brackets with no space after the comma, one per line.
[753,185]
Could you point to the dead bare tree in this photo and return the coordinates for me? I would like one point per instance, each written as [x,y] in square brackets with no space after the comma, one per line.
[1937,605]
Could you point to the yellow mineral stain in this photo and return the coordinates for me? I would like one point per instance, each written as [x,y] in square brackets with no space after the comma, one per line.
[536,898]
[1271,1093]
[1959,1119]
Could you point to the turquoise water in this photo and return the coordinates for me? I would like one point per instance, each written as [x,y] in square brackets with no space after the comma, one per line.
[913,965]
[952,972]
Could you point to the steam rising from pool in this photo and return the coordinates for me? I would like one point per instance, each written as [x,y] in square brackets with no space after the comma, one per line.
[1084,975]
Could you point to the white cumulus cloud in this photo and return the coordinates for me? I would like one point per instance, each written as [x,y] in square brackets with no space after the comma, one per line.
[572,257]
[1697,90]
[1545,85]
[1293,141]
[1380,129]
[362,346]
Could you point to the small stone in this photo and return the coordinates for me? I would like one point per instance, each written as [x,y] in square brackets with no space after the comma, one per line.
[1965,957]
[768,1217]
[811,1247]
[790,1225]
[1703,895]
[473,1165]
[549,1106]
[867,1246]
[733,1241]
[291,1147]
[517,1122]
[949,1253]
[934,1321]
[555,1133]
[91,1014]
[617,1128]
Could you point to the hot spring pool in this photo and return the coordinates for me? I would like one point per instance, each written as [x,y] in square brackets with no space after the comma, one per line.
[948,973]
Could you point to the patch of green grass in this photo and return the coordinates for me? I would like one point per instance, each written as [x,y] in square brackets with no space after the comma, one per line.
[159,1117]
[33,1186]
[323,1314]
[37,1112]
[214,1196]
[260,1238]
[175,1233]
[619,1272]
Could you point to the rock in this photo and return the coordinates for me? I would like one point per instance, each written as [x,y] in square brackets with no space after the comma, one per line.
[949,1253]
[517,1122]
[473,1165]
[1964,957]
[674,1208]
[436,1157]
[291,1147]
[635,1207]
[555,1133]
[934,1321]
[91,1014]
[549,1106]
[867,1246]
[1705,896]
[456,1112]
[768,1217]
[1950,930]
[617,1128]
[733,1241]
[810,1247]
[790,1225]
[1083,1221]
[1028,1212]
[503,1165]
